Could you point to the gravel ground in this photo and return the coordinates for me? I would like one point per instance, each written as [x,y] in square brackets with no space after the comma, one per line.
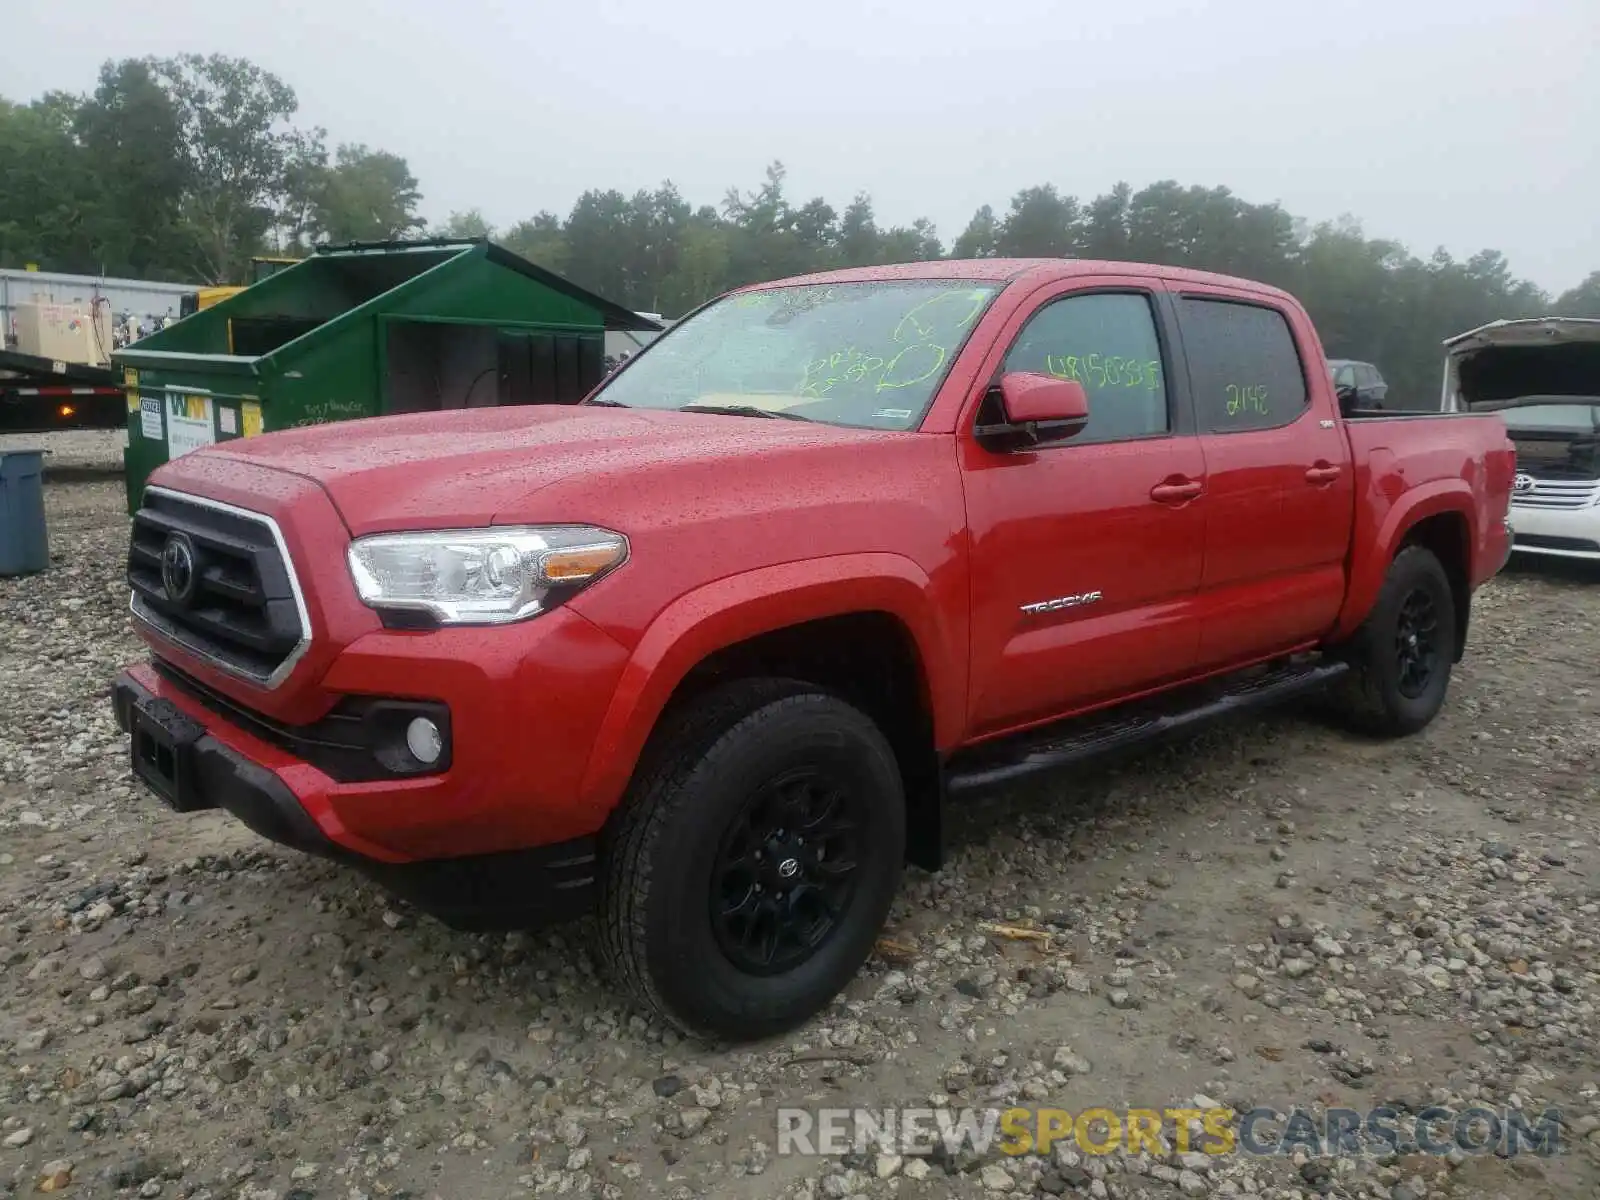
[76,452]
[1271,914]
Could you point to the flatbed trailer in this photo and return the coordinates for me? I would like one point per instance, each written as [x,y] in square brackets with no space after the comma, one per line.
[38,395]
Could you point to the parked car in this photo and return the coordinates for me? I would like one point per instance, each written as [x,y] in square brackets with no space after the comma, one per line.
[1543,377]
[1359,380]
[708,651]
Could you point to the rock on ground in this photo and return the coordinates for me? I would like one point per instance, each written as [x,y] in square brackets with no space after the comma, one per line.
[1273,913]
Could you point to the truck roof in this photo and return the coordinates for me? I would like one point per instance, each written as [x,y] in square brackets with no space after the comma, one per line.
[1010,270]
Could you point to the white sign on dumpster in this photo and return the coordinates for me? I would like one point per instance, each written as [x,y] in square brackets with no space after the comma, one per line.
[150,417]
[189,424]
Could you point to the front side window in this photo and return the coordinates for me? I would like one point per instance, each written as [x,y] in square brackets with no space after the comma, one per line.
[863,354]
[1243,366]
[1107,342]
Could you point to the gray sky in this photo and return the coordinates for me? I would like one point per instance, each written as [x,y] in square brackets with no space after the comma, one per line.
[1462,123]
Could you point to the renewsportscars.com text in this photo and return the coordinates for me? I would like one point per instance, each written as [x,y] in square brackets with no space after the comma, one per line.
[1339,1132]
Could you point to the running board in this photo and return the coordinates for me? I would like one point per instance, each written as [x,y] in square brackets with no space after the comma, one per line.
[995,764]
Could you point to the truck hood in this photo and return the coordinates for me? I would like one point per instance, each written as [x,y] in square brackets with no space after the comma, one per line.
[482,466]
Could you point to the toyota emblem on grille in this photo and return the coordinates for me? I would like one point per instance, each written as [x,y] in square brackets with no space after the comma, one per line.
[1524,483]
[177,568]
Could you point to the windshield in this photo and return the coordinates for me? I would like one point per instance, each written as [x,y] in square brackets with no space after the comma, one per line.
[863,354]
[1564,418]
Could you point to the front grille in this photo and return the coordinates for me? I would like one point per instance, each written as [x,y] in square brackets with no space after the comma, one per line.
[1541,541]
[243,610]
[1558,493]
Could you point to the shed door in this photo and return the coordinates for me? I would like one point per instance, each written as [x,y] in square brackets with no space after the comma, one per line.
[548,368]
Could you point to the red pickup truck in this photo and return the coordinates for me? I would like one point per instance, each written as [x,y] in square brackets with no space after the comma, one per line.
[708,652]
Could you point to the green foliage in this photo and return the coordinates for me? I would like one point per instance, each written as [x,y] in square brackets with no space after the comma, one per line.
[131,131]
[979,238]
[305,171]
[1041,224]
[49,195]
[469,224]
[1583,300]
[236,145]
[184,167]
[365,196]
[539,240]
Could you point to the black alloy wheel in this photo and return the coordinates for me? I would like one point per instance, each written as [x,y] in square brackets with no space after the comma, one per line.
[1416,644]
[753,861]
[786,871]
[1401,656]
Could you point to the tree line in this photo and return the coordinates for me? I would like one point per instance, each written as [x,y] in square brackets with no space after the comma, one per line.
[183,168]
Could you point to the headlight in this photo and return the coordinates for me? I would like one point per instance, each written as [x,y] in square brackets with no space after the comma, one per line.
[482,576]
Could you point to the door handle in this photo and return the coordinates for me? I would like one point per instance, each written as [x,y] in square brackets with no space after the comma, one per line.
[1176,491]
[1322,473]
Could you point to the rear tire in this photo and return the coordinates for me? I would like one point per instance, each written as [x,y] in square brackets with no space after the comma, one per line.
[1400,658]
[752,863]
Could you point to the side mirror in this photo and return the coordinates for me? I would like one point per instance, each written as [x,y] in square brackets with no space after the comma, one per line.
[1349,397]
[1038,409]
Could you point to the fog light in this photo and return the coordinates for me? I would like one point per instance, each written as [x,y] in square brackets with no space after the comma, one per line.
[424,740]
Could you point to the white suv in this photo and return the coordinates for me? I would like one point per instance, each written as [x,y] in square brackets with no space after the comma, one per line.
[1543,376]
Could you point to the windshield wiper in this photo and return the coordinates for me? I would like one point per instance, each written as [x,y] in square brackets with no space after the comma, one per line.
[743,410]
[606,404]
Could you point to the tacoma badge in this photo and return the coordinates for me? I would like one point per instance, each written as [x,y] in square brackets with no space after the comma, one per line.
[1060,602]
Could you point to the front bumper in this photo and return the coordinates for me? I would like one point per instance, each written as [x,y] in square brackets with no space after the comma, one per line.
[202,763]
[1562,532]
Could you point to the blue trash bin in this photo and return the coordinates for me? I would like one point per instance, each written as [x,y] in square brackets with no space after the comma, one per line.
[24,544]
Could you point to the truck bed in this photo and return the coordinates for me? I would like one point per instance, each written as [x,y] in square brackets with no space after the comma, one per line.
[1401,455]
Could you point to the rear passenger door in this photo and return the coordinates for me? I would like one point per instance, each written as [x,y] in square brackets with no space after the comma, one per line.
[1279,488]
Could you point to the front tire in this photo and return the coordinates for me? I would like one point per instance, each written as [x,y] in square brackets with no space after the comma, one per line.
[753,861]
[1401,657]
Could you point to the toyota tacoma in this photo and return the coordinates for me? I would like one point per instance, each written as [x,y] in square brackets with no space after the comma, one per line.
[709,653]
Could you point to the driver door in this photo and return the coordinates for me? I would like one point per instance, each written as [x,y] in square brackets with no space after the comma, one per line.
[1106,530]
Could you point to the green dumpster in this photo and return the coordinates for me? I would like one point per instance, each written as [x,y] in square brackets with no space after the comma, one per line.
[360,330]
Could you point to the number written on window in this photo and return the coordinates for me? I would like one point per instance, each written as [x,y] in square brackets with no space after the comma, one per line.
[1243,365]
[1249,399]
[918,350]
[1107,342]
[1105,370]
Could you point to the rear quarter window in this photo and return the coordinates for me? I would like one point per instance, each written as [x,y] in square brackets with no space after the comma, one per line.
[1244,369]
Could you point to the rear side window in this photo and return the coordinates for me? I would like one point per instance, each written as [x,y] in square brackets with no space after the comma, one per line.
[1243,366]
[1107,342]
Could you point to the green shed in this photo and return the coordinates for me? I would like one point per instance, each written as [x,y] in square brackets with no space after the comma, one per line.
[360,330]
